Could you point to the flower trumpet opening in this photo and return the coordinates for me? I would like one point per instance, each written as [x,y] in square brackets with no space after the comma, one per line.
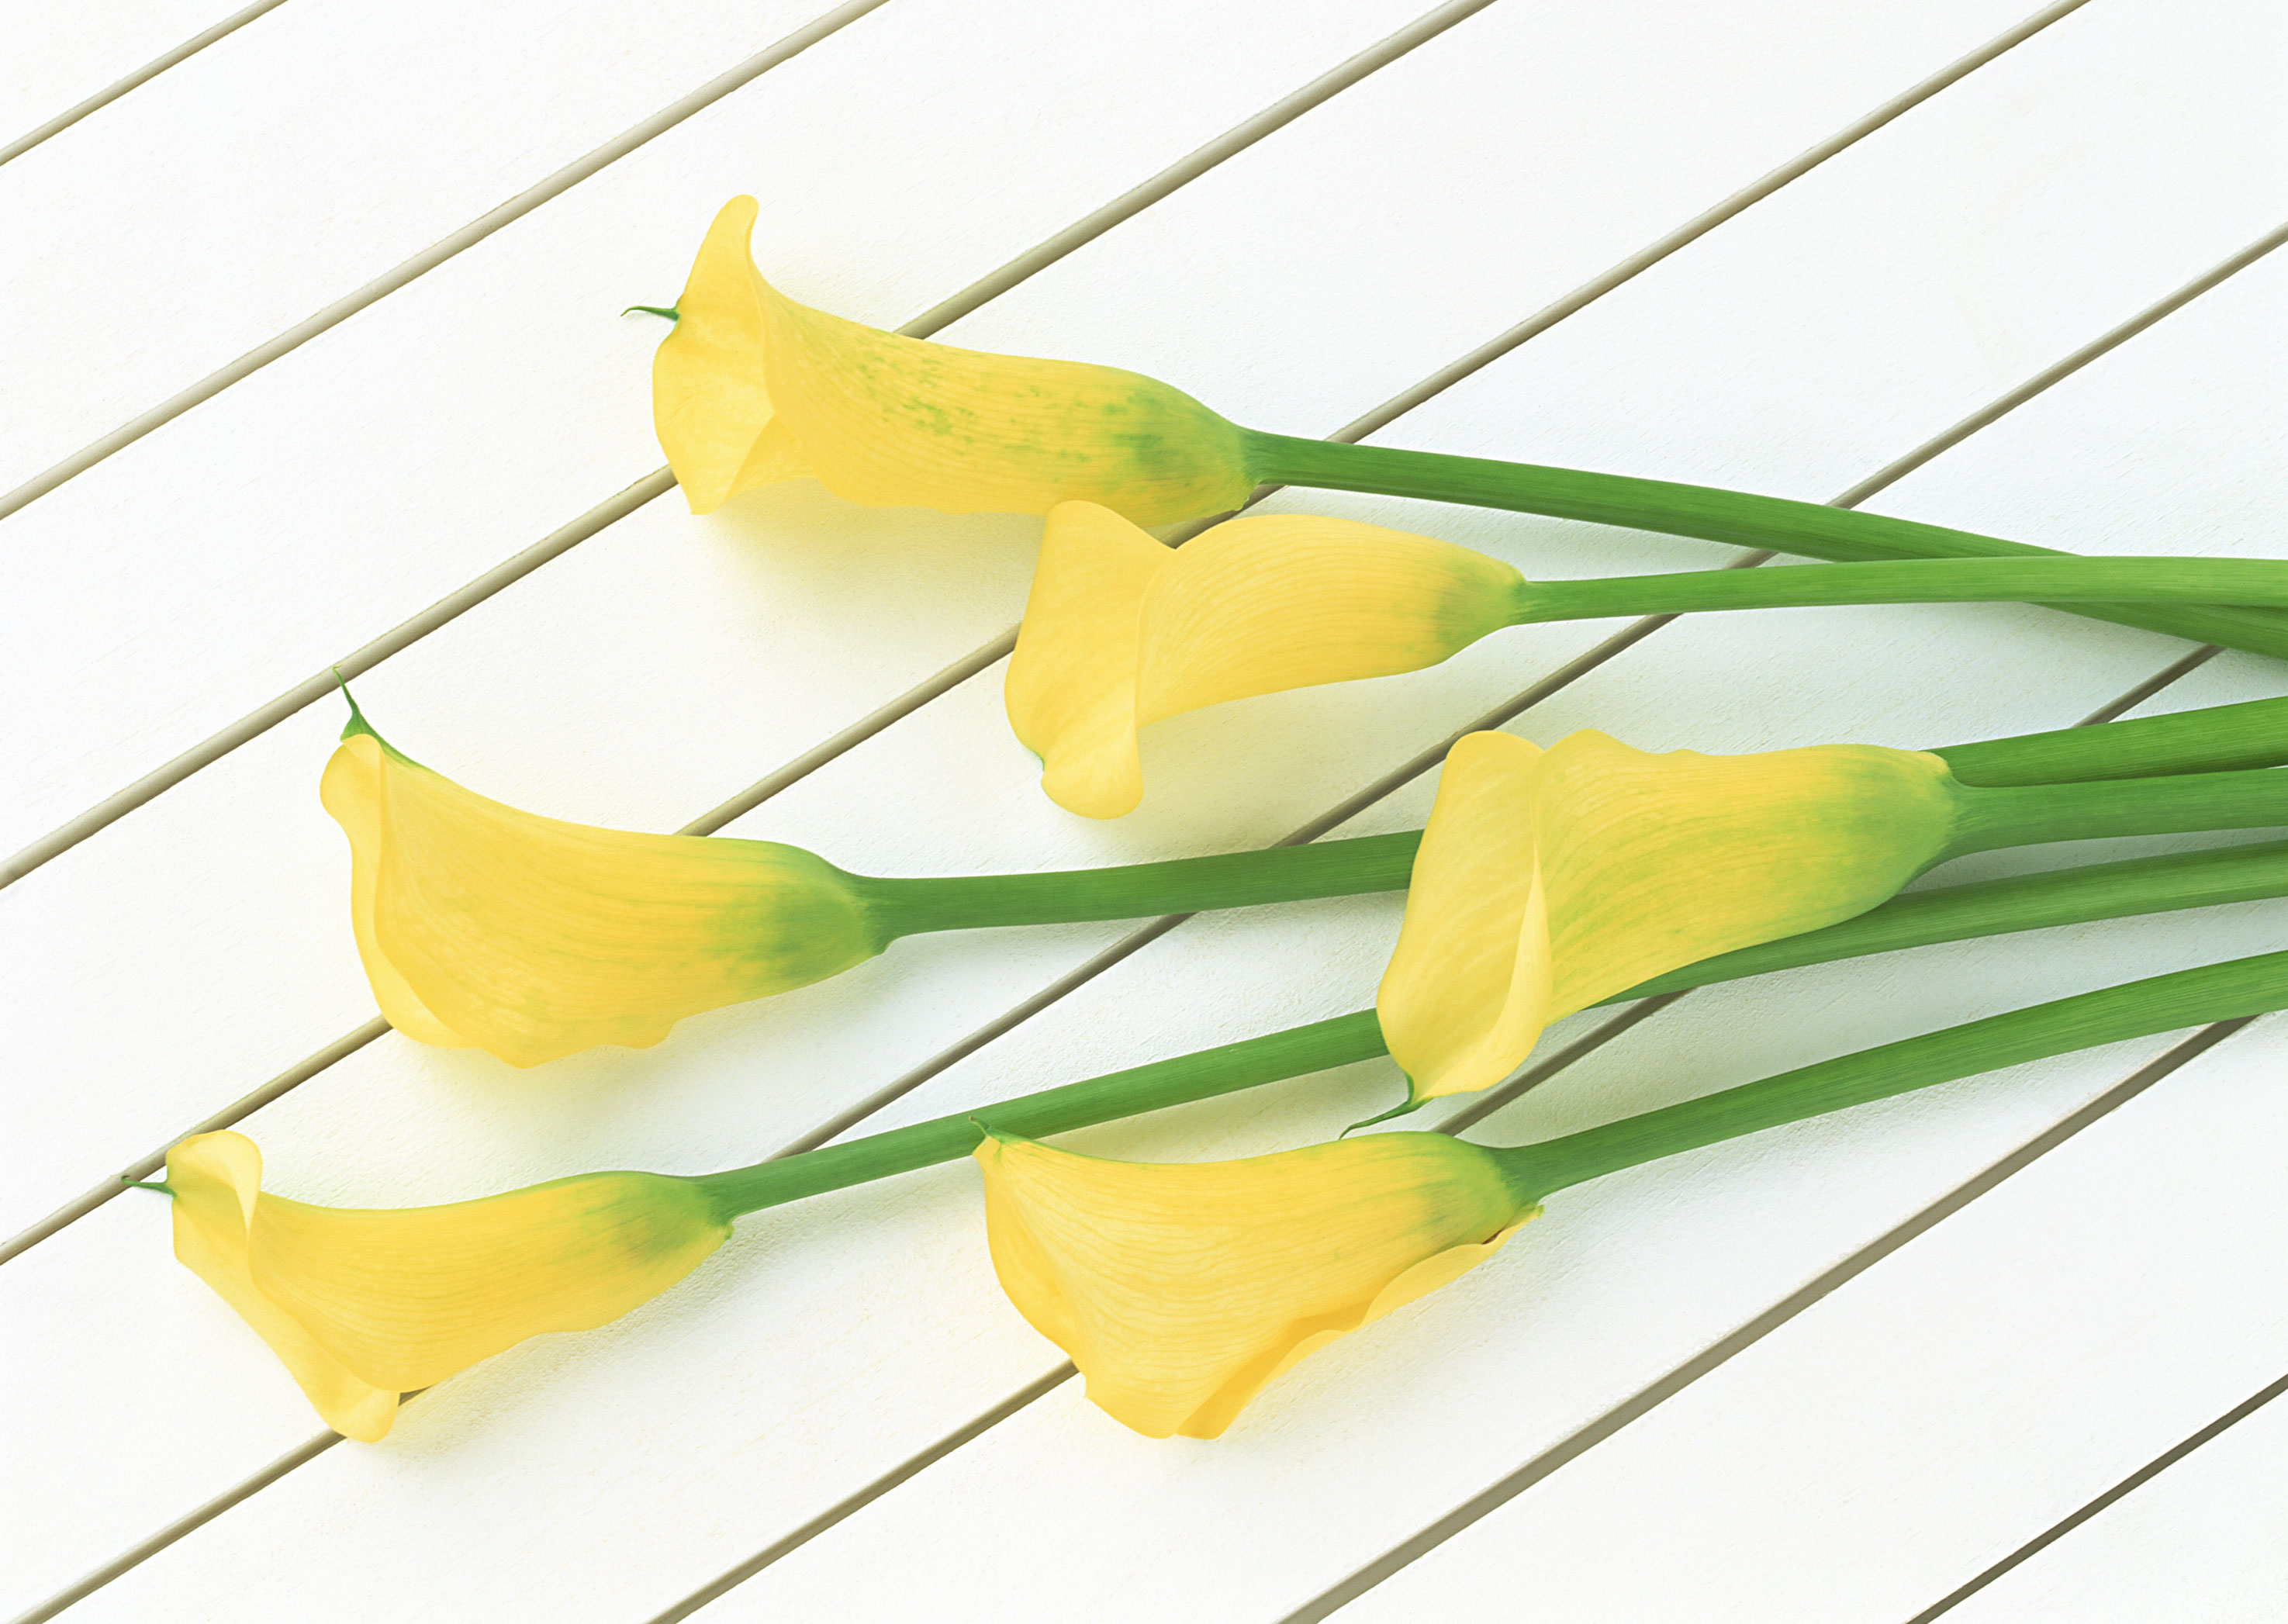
[1121,631]
[1547,881]
[1180,1290]
[750,388]
[481,926]
[362,1305]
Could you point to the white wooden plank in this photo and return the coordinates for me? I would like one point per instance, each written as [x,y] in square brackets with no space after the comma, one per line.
[1923,1421]
[689,1112]
[810,1467]
[828,610]
[58,56]
[297,159]
[1355,1458]
[522,364]
[2202,1541]
[857,608]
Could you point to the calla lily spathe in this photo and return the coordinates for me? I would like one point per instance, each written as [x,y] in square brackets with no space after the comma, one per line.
[481,926]
[1180,1290]
[364,1305]
[1121,631]
[751,388]
[1548,881]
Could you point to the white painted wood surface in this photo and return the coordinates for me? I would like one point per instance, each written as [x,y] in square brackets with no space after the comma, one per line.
[2009,1365]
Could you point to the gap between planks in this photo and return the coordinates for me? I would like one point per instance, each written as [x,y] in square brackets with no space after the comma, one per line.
[2135,1480]
[1647,1398]
[1534,1074]
[142,75]
[1528,1078]
[660,481]
[975,295]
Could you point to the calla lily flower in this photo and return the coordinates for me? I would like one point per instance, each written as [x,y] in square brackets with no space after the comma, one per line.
[481,926]
[751,388]
[1120,631]
[1180,1291]
[364,1305]
[1548,881]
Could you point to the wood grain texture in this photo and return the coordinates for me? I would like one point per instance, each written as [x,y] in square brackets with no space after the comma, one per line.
[58,56]
[197,946]
[1927,1418]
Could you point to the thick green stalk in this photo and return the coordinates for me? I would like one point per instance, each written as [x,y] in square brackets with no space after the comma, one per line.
[1186,885]
[1926,581]
[2106,891]
[2135,1009]
[2030,814]
[2221,738]
[1998,908]
[2008,799]
[1809,528]
[1203,1075]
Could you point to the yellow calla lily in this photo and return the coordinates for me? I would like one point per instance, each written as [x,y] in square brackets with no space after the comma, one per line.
[751,388]
[481,926]
[1550,880]
[1180,1291]
[1121,631]
[364,1305]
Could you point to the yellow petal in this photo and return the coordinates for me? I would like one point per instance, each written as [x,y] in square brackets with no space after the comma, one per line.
[1119,632]
[710,399]
[350,789]
[1287,600]
[751,386]
[1071,688]
[1641,864]
[1656,861]
[1180,1290]
[364,1304]
[532,938]
[217,1178]
[1467,989]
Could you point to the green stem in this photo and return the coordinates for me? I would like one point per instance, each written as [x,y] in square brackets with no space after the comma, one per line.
[2135,1009]
[2030,814]
[1812,529]
[1920,581]
[2106,891]
[2008,798]
[1203,1075]
[2218,739]
[1187,885]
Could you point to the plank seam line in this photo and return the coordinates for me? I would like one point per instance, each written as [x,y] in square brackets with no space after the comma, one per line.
[174,1531]
[1529,1077]
[1123,208]
[2135,1480]
[1534,1073]
[436,254]
[142,75]
[300,1072]
[660,480]
[1745,1336]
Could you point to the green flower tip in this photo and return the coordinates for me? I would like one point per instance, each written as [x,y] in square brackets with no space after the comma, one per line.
[161,1185]
[357,724]
[668,311]
[1403,1106]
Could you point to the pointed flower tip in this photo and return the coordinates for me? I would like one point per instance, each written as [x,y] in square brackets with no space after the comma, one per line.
[160,1184]
[357,724]
[1410,1104]
[668,311]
